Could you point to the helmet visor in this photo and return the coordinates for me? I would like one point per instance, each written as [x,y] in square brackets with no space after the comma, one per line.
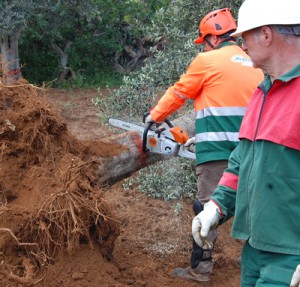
[200,38]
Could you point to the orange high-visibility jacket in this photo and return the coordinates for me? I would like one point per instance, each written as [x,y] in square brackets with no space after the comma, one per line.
[220,82]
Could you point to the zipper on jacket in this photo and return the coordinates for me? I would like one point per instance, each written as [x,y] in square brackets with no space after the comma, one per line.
[253,147]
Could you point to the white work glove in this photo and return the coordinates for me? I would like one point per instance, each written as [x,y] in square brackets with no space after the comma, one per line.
[296,278]
[190,142]
[149,120]
[205,221]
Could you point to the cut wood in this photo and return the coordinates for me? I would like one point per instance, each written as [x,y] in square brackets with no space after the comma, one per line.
[132,158]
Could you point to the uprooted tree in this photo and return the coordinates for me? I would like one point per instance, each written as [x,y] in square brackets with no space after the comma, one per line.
[66,208]
[132,158]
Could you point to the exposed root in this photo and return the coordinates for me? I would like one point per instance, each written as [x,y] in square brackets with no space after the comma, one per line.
[68,210]
[25,245]
[3,199]
[20,85]
[39,137]
[16,239]
[4,271]
[69,217]
[65,220]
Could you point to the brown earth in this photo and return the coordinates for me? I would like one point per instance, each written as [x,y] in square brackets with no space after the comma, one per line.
[59,228]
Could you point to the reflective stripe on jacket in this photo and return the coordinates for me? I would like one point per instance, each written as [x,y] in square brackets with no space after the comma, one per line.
[220,83]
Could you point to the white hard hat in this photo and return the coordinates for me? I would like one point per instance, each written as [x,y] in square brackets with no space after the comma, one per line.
[257,13]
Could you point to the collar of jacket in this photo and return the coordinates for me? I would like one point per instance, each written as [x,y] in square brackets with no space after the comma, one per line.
[226,43]
[293,73]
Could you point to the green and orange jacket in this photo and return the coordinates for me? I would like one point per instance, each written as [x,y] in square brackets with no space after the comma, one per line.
[261,186]
[220,82]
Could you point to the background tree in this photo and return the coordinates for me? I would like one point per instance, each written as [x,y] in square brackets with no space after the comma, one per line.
[178,23]
[87,43]
[140,90]
[15,15]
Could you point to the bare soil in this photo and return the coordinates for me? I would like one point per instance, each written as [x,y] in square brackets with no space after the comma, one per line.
[59,228]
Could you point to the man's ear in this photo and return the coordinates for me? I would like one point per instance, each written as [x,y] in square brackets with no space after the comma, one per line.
[214,40]
[266,34]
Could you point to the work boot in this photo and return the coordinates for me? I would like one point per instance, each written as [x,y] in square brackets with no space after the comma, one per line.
[189,274]
[201,260]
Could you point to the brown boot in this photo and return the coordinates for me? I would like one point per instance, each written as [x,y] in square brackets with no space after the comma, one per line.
[191,274]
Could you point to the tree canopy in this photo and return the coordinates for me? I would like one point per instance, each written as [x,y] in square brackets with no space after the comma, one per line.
[178,22]
[89,40]
[15,16]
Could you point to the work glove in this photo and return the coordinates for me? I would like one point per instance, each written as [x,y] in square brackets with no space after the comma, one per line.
[148,120]
[296,278]
[190,142]
[205,221]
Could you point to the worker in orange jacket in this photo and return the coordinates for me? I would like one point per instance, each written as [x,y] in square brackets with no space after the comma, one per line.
[220,81]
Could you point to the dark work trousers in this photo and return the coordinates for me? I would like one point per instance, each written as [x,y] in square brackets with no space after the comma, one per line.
[208,176]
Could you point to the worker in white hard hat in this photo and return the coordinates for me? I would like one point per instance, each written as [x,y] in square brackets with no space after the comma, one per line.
[261,185]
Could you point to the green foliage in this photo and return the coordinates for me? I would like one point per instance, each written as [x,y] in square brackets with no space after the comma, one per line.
[94,28]
[168,180]
[141,89]
[74,22]
[13,15]
[103,79]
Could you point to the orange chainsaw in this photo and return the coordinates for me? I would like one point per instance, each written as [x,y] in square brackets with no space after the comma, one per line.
[168,141]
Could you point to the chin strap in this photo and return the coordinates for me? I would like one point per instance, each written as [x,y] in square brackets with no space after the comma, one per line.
[209,43]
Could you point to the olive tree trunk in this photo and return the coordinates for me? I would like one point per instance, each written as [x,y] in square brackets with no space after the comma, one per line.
[132,158]
[10,59]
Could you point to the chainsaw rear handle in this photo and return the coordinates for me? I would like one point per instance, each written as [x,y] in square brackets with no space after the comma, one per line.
[147,128]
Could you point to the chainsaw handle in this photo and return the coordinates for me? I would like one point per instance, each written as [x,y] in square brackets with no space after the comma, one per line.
[147,128]
[167,121]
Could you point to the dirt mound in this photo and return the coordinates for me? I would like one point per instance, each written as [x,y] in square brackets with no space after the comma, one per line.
[59,229]
[49,200]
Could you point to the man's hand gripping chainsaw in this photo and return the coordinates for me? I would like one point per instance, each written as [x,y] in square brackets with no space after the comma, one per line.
[155,138]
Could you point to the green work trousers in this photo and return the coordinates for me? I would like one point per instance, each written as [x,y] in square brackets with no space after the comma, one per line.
[262,268]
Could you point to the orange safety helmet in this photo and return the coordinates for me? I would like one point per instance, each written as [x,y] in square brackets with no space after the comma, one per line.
[217,22]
